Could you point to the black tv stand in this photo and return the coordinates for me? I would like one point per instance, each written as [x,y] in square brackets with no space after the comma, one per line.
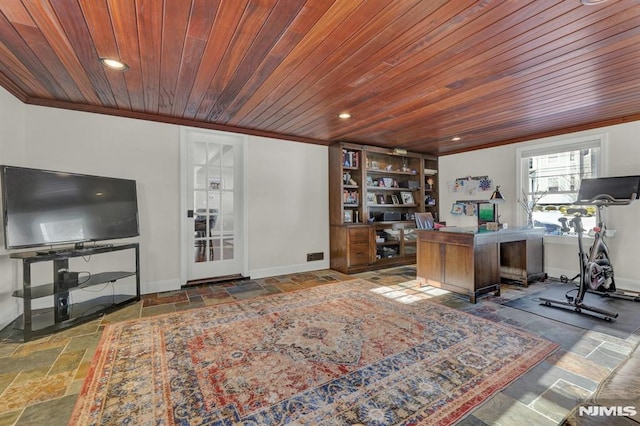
[65,312]
[78,248]
[84,246]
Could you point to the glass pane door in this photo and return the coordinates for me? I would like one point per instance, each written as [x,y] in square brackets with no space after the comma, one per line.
[215,200]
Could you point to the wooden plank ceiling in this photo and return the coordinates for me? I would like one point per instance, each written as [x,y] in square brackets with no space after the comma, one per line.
[413,73]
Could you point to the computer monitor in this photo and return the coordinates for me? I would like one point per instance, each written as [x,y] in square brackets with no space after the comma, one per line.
[486,213]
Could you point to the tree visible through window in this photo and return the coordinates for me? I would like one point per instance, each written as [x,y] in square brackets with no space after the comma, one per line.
[551,174]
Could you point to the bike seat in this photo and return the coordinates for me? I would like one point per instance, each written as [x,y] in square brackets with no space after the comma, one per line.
[576,223]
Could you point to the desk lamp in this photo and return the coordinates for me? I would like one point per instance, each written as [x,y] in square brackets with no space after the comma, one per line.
[497,198]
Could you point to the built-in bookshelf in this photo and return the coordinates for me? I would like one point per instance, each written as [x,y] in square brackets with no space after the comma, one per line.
[345,164]
[374,194]
[431,195]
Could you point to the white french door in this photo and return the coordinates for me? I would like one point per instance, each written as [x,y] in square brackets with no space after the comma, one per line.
[213,204]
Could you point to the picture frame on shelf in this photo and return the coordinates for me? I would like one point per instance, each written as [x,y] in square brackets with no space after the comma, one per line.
[215,184]
[429,183]
[351,197]
[394,199]
[348,216]
[457,209]
[371,198]
[407,197]
[380,199]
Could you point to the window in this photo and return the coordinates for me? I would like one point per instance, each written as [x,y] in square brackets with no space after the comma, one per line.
[550,176]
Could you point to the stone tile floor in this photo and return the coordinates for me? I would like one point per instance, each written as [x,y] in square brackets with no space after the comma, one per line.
[39,380]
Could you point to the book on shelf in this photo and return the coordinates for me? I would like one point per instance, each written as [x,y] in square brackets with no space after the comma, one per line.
[350,158]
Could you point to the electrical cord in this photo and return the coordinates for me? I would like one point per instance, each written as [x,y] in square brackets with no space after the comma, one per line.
[87,278]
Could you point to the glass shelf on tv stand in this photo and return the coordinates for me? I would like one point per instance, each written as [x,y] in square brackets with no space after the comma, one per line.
[64,313]
[43,321]
[44,290]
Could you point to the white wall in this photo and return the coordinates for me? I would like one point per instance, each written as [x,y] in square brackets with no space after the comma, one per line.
[287,183]
[102,145]
[288,204]
[12,130]
[622,157]
[288,190]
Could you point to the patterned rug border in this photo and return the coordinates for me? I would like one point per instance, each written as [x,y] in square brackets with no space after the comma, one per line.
[241,301]
[475,396]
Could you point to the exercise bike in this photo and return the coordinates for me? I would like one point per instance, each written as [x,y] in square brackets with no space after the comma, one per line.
[598,267]
[596,271]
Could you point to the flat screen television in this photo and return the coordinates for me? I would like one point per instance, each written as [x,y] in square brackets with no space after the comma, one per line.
[47,208]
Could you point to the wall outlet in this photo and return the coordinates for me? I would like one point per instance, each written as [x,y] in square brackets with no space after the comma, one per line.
[315,256]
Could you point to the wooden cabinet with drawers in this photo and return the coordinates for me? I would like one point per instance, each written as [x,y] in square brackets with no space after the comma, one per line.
[359,245]
[351,248]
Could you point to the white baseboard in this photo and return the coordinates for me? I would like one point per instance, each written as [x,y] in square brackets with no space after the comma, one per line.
[160,286]
[626,284]
[556,273]
[175,284]
[289,269]
[9,315]
[621,282]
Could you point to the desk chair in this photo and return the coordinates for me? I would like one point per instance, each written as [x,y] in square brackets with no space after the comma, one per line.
[424,221]
[205,220]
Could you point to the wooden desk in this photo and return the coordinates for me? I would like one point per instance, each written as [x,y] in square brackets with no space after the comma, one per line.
[471,262]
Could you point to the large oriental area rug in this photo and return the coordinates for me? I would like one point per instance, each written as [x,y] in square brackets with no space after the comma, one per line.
[338,354]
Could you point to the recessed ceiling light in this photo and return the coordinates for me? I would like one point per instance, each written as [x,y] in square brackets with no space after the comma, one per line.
[456,138]
[344,115]
[114,64]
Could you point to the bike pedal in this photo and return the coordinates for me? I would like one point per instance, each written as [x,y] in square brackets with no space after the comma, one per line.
[603,289]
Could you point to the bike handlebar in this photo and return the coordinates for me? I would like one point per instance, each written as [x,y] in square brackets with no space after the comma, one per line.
[608,200]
